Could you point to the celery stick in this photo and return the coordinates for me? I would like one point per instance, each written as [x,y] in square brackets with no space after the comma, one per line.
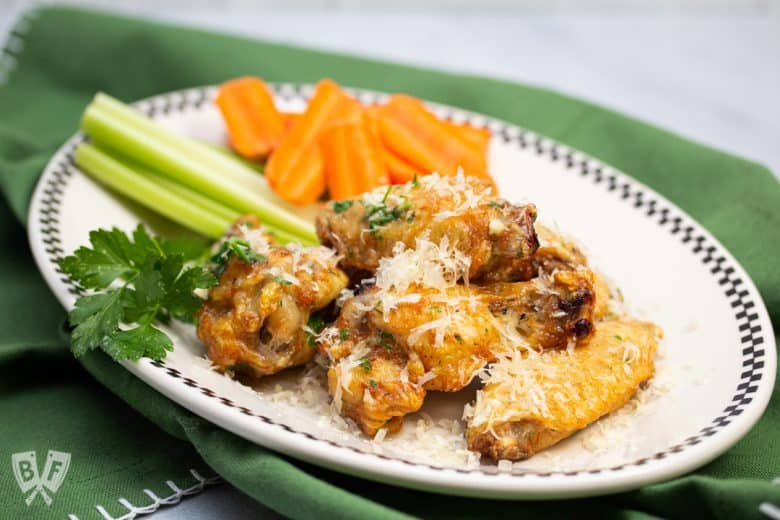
[197,199]
[182,191]
[221,162]
[259,167]
[102,167]
[182,166]
[220,158]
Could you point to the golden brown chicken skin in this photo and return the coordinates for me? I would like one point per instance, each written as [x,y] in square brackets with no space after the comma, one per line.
[496,234]
[557,253]
[457,332]
[373,392]
[253,320]
[532,402]
[454,333]
[550,311]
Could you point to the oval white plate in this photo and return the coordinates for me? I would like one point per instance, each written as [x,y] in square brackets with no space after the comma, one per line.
[715,374]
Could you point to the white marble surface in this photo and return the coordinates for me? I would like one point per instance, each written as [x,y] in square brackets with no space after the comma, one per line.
[714,78]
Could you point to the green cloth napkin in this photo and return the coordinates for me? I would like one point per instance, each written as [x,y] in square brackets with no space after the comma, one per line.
[136,439]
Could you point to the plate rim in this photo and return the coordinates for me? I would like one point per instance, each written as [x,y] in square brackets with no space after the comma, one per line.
[755,384]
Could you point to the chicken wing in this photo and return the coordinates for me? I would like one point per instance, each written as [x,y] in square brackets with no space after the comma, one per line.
[441,339]
[496,234]
[253,320]
[531,402]
[371,381]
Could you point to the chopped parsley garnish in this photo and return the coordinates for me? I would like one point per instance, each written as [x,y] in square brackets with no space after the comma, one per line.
[281,281]
[387,193]
[340,206]
[372,383]
[386,340]
[415,182]
[138,280]
[378,215]
[343,334]
[619,338]
[315,324]
[495,204]
[365,364]
[234,246]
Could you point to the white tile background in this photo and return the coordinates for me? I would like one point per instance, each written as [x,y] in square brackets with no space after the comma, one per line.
[709,70]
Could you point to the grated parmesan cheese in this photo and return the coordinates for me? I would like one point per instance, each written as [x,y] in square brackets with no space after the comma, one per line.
[344,295]
[465,193]
[428,376]
[437,266]
[430,266]
[257,240]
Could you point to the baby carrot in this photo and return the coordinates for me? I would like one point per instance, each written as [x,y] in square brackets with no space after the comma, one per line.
[253,123]
[411,131]
[353,160]
[289,120]
[477,137]
[399,170]
[308,184]
[297,159]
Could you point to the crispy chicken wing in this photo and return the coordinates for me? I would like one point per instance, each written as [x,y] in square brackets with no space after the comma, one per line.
[496,235]
[531,402]
[441,339]
[372,382]
[253,320]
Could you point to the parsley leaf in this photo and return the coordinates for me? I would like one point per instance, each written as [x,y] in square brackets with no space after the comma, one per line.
[110,257]
[143,340]
[340,206]
[365,364]
[139,280]
[95,317]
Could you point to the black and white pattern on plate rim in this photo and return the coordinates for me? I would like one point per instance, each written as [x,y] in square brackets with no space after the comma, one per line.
[746,317]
